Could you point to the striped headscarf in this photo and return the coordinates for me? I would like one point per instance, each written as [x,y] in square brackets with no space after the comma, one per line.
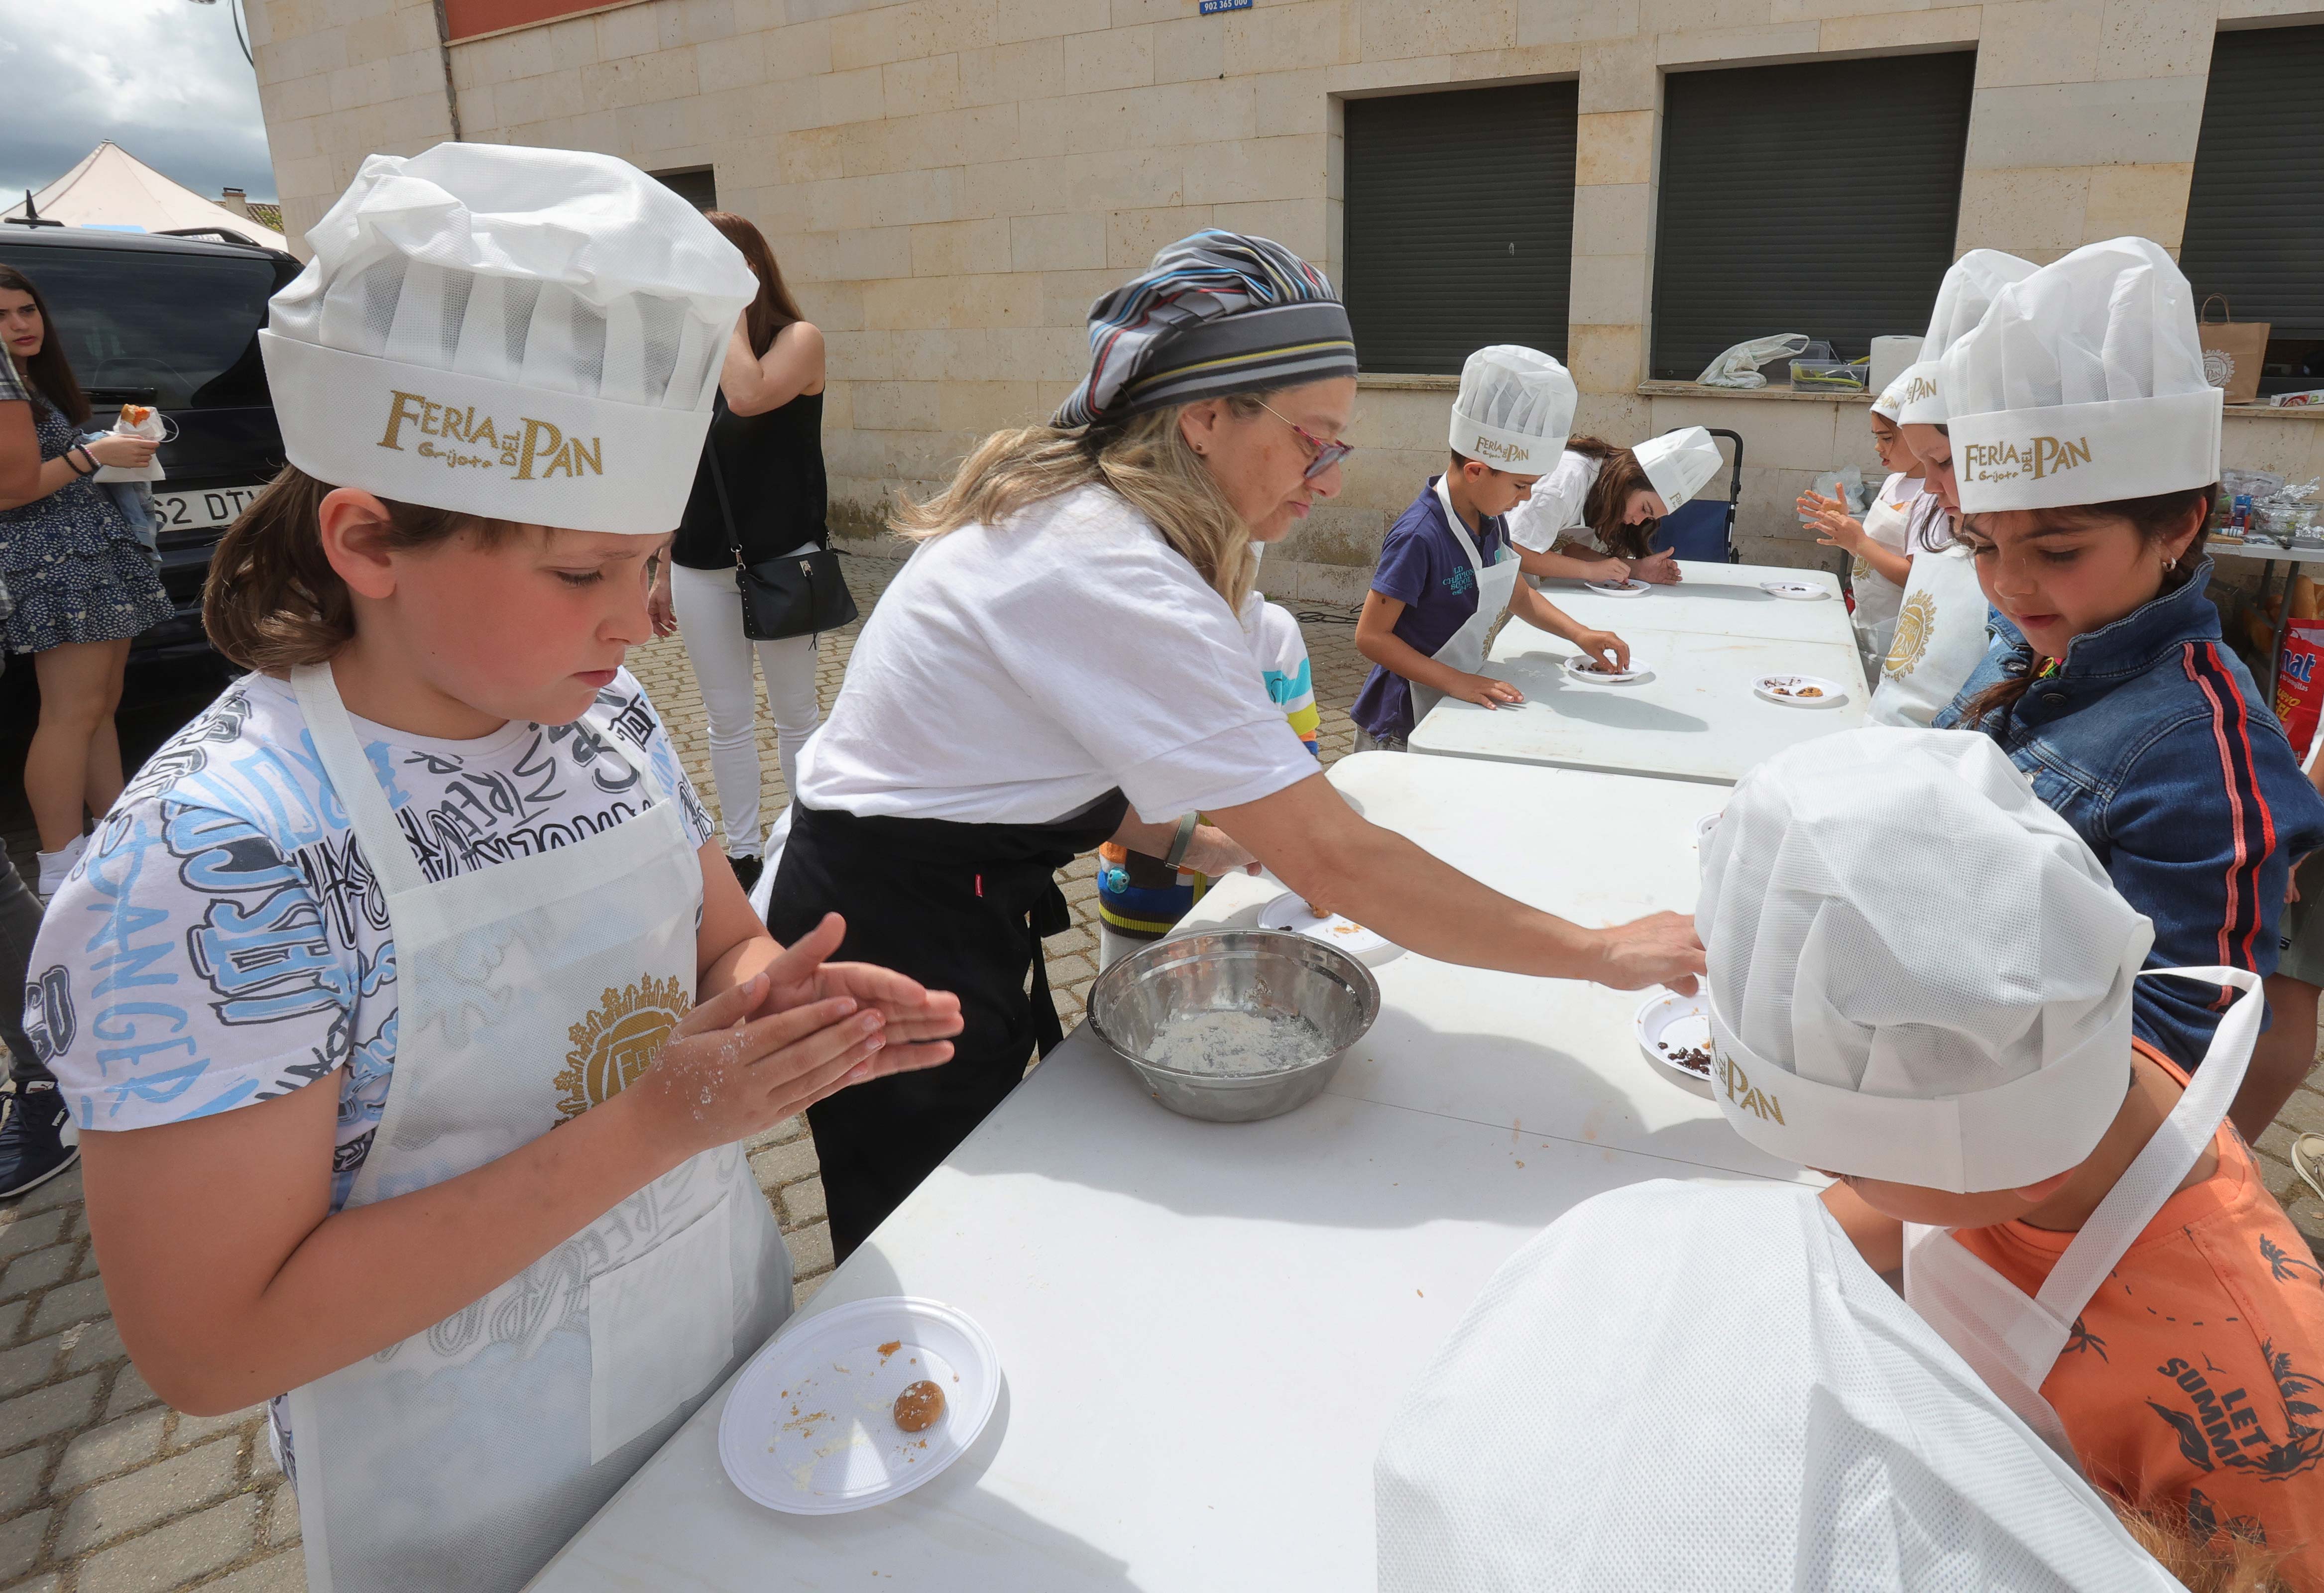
[1216,313]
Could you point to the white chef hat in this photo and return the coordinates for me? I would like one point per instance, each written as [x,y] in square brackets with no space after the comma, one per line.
[1678,462]
[1890,404]
[1969,287]
[1918,972]
[519,333]
[2084,384]
[1515,410]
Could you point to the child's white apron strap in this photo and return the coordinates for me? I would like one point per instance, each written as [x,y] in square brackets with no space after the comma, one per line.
[2010,1340]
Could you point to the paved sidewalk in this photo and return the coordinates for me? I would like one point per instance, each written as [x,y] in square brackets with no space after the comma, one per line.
[104,1489]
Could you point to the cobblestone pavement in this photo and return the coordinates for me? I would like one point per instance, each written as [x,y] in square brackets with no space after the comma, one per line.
[104,1490]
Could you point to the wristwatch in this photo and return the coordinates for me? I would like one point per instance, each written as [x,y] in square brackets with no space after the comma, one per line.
[1181,841]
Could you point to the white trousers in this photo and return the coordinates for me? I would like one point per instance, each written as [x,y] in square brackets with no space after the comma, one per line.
[710,622]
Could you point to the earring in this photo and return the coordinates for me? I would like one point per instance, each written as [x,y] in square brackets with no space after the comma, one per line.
[2170,567]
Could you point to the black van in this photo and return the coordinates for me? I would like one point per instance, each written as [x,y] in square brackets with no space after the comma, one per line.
[171,322]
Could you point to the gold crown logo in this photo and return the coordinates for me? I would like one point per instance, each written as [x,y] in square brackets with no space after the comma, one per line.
[1915,623]
[618,1042]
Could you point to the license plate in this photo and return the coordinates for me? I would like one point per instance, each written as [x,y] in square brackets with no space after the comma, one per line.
[202,507]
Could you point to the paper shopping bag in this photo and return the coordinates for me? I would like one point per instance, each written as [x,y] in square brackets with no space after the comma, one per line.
[2233,351]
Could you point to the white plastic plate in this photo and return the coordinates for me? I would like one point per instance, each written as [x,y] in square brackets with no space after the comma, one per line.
[1795,591]
[1671,1022]
[1619,588]
[1577,669]
[1289,911]
[810,1426]
[1786,689]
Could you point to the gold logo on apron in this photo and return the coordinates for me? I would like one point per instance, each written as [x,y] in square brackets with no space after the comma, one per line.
[1914,625]
[1859,569]
[616,1043]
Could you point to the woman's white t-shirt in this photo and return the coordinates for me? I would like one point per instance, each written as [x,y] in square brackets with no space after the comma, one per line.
[1016,673]
[1553,513]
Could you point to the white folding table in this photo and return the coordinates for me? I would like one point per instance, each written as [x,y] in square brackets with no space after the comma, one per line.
[1695,717]
[1717,600]
[1202,1327]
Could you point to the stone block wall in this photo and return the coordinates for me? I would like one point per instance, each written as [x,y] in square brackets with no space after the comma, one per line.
[949,183]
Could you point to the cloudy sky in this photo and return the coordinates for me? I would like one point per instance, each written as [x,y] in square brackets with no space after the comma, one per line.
[163,79]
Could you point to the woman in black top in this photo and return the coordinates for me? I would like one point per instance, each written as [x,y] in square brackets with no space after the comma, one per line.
[767,435]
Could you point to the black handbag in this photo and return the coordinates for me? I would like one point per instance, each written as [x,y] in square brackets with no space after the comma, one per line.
[797,594]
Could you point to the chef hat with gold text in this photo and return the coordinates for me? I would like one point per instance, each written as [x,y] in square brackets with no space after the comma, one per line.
[1969,287]
[1890,404]
[1515,409]
[1918,972]
[1678,464]
[2084,384]
[529,335]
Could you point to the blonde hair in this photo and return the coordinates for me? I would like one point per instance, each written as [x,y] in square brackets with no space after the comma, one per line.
[2226,1565]
[1145,460]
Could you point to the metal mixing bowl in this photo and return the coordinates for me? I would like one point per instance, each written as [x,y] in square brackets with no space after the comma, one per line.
[1233,970]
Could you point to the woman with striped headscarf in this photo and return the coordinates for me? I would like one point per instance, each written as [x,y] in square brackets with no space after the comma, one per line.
[1060,665]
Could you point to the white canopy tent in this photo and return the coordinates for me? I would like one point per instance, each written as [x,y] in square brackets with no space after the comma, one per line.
[113,188]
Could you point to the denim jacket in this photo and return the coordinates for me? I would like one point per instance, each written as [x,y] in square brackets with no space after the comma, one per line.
[2151,741]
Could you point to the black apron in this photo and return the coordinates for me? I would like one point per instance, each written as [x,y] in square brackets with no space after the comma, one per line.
[961,908]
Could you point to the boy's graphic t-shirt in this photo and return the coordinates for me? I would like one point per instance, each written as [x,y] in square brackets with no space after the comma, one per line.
[1141,897]
[1281,655]
[1422,566]
[222,941]
[2193,1386]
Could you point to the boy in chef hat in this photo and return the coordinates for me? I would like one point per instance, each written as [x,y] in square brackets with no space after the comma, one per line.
[1920,983]
[445,1000]
[1446,574]
[2086,445]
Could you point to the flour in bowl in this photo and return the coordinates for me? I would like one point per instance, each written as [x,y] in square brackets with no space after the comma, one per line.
[1231,1043]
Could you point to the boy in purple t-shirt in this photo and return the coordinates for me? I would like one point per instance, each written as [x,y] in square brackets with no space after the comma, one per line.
[1510,424]
[1424,590]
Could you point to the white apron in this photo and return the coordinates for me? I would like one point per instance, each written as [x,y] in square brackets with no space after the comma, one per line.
[1878,598]
[1939,640]
[461,1459]
[1699,1388]
[1464,649]
[2011,1341]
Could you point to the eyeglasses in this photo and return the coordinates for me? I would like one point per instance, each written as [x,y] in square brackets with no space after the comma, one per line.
[1327,453]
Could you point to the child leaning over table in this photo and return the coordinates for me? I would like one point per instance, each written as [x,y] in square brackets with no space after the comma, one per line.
[1920,984]
[1141,898]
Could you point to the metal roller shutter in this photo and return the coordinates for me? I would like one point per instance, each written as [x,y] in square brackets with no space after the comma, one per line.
[1460,224]
[2255,211]
[1820,198]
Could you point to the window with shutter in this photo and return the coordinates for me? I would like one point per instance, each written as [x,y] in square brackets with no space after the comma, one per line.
[2255,209]
[696,185]
[1460,224]
[1820,198]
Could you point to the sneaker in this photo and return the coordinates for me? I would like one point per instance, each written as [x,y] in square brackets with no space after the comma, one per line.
[37,1139]
[56,865]
[746,870]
